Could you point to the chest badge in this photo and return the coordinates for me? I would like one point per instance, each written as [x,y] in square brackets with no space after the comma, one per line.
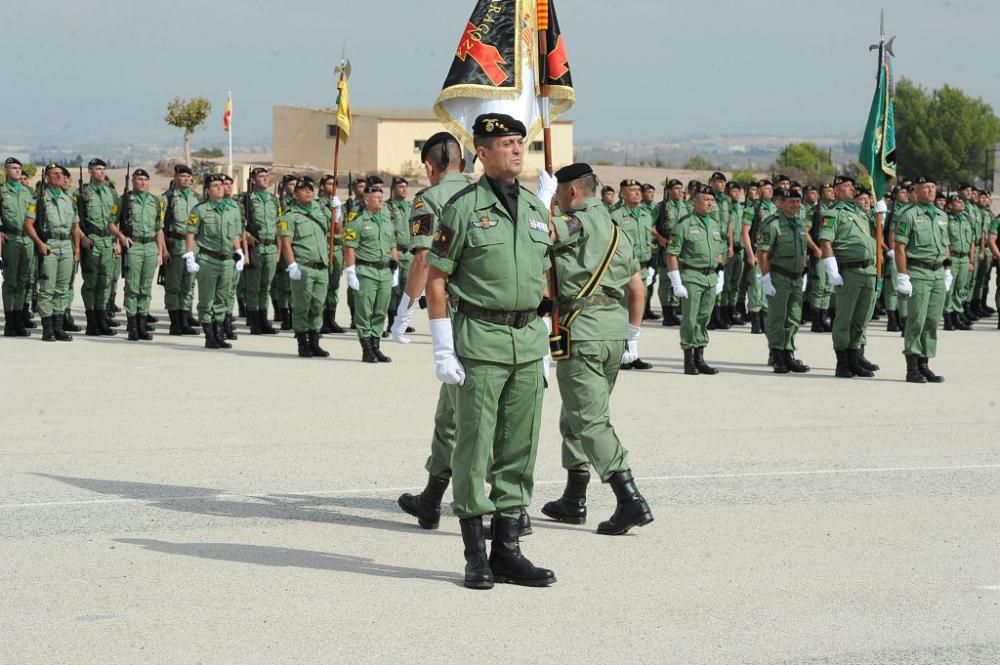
[484,222]
[536,225]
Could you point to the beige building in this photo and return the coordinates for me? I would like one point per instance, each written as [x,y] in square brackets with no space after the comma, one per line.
[382,140]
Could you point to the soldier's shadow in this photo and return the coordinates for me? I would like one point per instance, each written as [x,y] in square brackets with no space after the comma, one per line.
[264,555]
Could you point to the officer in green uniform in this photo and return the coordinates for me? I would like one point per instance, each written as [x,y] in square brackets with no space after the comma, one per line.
[635,221]
[262,245]
[894,312]
[179,283]
[215,228]
[980,223]
[598,275]
[146,249]
[489,252]
[399,210]
[98,210]
[849,261]
[753,215]
[61,250]
[355,206]
[923,278]
[696,272]
[228,329]
[737,259]
[371,265]
[304,229]
[18,250]
[723,217]
[962,248]
[281,286]
[676,208]
[329,201]
[69,324]
[649,203]
[782,251]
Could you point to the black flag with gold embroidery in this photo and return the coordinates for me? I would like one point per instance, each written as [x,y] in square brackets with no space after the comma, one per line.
[495,68]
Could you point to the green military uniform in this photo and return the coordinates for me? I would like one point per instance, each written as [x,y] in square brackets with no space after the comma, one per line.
[750,285]
[723,217]
[961,236]
[994,233]
[980,285]
[924,231]
[54,294]
[890,297]
[354,207]
[637,224]
[372,236]
[18,254]
[399,212]
[495,258]
[259,273]
[215,225]
[336,268]
[736,263]
[698,244]
[146,219]
[818,291]
[784,240]
[281,287]
[846,227]
[178,289]
[308,226]
[100,204]
[676,209]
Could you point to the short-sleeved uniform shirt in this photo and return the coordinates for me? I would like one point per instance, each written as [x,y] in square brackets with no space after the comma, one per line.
[923,228]
[961,234]
[637,224]
[676,208]
[427,207]
[845,225]
[372,236]
[399,212]
[308,226]
[216,225]
[697,243]
[100,202]
[180,203]
[784,240]
[60,213]
[145,214]
[265,210]
[14,200]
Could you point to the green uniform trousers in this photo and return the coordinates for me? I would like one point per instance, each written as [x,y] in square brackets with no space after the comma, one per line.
[97,266]
[18,258]
[54,292]
[308,297]
[333,286]
[405,259]
[139,280]
[890,296]
[179,285]
[282,287]
[696,309]
[981,281]
[734,275]
[961,288]
[443,439]
[116,274]
[755,292]
[498,410]
[925,306]
[784,311]
[215,284]
[586,379]
[372,300]
[258,275]
[855,302]
[819,291]
[665,290]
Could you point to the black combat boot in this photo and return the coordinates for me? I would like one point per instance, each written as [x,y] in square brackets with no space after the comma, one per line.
[379,356]
[210,341]
[639,363]
[699,362]
[286,318]
[26,317]
[864,362]
[632,510]
[317,350]
[854,362]
[367,352]
[524,524]
[478,574]
[949,322]
[960,322]
[689,366]
[8,323]
[426,506]
[970,314]
[20,330]
[91,329]
[986,307]
[926,371]
[142,325]
[47,329]
[334,327]
[102,321]
[327,319]
[817,322]
[227,327]
[264,321]
[843,370]
[151,319]
[252,321]
[902,326]
[174,329]
[220,335]
[507,562]
[133,331]
[59,331]
[190,321]
[106,316]
[303,342]
[68,323]
[778,362]
[913,373]
[763,320]
[241,308]
[571,507]
[722,320]
[670,316]
[892,321]
[756,324]
[794,364]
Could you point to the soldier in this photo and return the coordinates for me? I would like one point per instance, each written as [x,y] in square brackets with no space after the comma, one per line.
[675,210]
[984,201]
[215,227]
[98,210]
[635,222]
[923,278]
[304,229]
[329,200]
[849,260]
[608,197]
[59,252]
[146,249]
[722,215]
[355,206]
[962,246]
[227,322]
[281,286]
[399,212]
[736,262]
[782,252]
[180,200]
[597,274]
[649,203]
[69,324]
[261,240]
[941,201]
[18,251]
[371,264]
[753,215]
[696,271]
[490,231]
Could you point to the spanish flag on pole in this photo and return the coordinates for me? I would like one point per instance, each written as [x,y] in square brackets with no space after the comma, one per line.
[343,107]
[227,116]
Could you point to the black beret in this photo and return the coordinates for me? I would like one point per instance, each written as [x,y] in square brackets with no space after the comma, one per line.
[703,189]
[647,187]
[861,191]
[12,160]
[257,170]
[952,198]
[731,185]
[905,181]
[629,182]
[285,179]
[140,173]
[373,187]
[49,167]
[761,183]
[214,177]
[940,195]
[841,179]
[374,180]
[673,182]
[180,169]
[718,175]
[304,182]
[96,161]
[399,180]
[358,181]
[575,171]
[963,185]
[65,171]
[924,179]
[436,139]
[796,183]
[497,124]
[607,188]
[327,178]
[780,194]
[780,177]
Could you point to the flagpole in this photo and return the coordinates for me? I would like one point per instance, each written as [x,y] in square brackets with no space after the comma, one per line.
[229,131]
[336,160]
[542,14]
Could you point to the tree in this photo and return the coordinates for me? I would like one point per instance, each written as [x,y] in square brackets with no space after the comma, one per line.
[699,163]
[189,116]
[208,153]
[743,176]
[805,161]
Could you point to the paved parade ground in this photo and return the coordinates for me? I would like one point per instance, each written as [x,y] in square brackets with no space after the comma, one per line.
[160,503]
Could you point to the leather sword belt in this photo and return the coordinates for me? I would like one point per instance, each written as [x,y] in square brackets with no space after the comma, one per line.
[518,319]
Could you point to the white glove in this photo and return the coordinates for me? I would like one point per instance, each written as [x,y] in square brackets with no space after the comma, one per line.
[446,365]
[240,262]
[650,274]
[805,283]
[675,281]
[547,360]
[768,285]
[335,203]
[632,351]
[402,321]
[903,284]
[190,263]
[294,273]
[720,282]
[881,207]
[948,279]
[352,278]
[833,272]
[395,278]
[546,187]
[891,254]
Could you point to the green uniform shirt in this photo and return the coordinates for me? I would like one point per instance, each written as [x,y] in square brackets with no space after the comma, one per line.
[265,209]
[145,214]
[583,237]
[308,226]
[697,242]
[784,240]
[427,206]
[494,262]
[101,204]
[637,224]
[399,212]
[372,237]
[60,213]
[723,214]
[995,226]
[216,225]
[737,223]
[180,203]
[14,200]
[846,227]
[676,209]
[923,228]
[961,235]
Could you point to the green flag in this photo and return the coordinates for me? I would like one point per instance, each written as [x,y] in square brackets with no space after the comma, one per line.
[878,147]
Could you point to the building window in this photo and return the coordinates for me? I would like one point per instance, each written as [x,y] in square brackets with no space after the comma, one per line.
[418,146]
[536,146]
[331,131]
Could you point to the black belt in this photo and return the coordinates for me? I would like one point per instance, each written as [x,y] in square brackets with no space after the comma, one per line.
[267,243]
[176,236]
[703,271]
[590,300]
[518,319]
[315,265]
[221,256]
[790,274]
[380,265]
[143,240]
[847,265]
[59,237]
[926,265]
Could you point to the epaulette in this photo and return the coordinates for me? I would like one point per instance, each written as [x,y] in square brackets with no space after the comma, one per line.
[462,192]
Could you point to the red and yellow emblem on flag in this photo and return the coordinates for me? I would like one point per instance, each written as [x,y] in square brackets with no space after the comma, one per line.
[227,116]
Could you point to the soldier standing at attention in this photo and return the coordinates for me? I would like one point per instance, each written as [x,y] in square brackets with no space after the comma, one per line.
[215,228]
[180,201]
[664,225]
[634,221]
[489,252]
[281,287]
[227,322]
[100,209]
[753,215]
[782,251]
[371,266]
[18,251]
[722,215]
[924,277]
[304,229]
[330,202]
[608,197]
[901,199]
[649,204]
[961,240]
[695,268]
[598,275]
[399,210]
[262,246]
[59,252]
[736,260]
[355,206]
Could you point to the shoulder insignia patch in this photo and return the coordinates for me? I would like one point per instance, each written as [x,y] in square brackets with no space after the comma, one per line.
[31,207]
[418,204]
[442,239]
[193,220]
[573,225]
[114,208]
[828,221]
[422,225]
[282,225]
[350,234]
[352,215]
